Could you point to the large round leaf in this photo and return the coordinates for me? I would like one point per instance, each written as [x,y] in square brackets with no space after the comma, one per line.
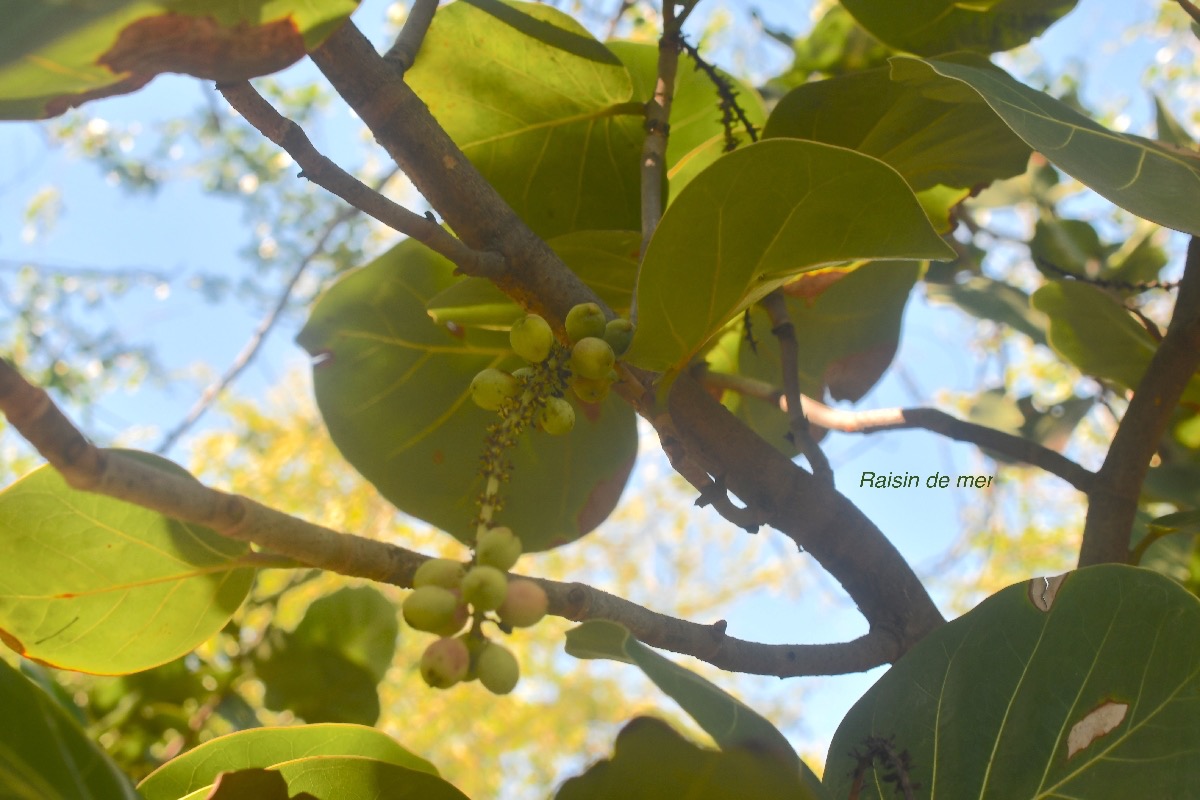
[44,755]
[1084,688]
[940,26]
[99,585]
[753,220]
[1150,179]
[392,386]
[268,747]
[57,55]
[540,107]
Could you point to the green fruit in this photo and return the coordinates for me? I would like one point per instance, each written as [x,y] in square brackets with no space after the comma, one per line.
[618,333]
[532,338]
[556,417]
[434,609]
[498,669]
[588,390]
[484,587]
[584,320]
[445,663]
[592,358]
[499,548]
[524,605]
[523,374]
[491,387]
[475,644]
[441,572]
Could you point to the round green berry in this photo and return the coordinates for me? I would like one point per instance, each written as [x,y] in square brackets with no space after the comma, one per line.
[441,572]
[491,387]
[484,587]
[497,669]
[499,548]
[584,320]
[531,338]
[557,416]
[434,609]
[588,390]
[592,358]
[618,333]
[524,605]
[445,663]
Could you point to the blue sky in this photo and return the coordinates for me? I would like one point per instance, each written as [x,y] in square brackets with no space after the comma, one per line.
[183,231]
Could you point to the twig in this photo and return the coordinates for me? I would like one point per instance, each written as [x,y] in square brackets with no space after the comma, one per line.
[789,362]
[408,43]
[1015,447]
[615,20]
[658,130]
[328,175]
[730,108]
[1105,283]
[114,474]
[1113,499]
[1192,9]
[264,328]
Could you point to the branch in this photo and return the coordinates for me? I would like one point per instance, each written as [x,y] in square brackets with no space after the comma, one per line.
[864,562]
[658,131]
[789,363]
[328,175]
[111,473]
[408,42]
[1015,447]
[1113,499]
[251,348]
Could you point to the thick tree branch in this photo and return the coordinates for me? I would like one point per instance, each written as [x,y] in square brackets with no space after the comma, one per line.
[929,419]
[877,578]
[1113,499]
[403,53]
[328,175]
[88,468]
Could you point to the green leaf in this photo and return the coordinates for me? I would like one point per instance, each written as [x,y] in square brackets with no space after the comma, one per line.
[541,108]
[1094,697]
[651,761]
[985,298]
[341,777]
[697,135]
[928,141]
[54,56]
[1179,522]
[723,717]
[836,45]
[392,386]
[1095,333]
[754,220]
[270,747]
[44,755]
[99,585]
[605,260]
[928,27]
[328,669]
[1170,130]
[1070,244]
[1144,177]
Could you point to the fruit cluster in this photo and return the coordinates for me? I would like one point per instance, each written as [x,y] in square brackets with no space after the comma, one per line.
[447,594]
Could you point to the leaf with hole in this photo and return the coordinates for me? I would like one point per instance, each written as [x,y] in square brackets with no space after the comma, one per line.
[1084,687]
